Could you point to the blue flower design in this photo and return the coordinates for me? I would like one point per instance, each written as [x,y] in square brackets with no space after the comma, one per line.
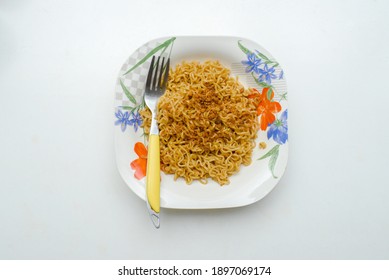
[122,119]
[278,130]
[136,121]
[281,76]
[252,63]
[266,74]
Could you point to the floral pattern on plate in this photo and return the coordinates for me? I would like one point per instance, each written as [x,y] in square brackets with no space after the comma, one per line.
[272,119]
[131,116]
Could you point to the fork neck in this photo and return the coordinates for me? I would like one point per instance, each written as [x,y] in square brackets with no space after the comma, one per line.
[154,125]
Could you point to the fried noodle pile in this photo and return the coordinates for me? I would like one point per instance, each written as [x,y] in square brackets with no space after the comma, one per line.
[207,123]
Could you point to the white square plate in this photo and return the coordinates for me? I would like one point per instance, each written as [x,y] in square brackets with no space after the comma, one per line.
[256,68]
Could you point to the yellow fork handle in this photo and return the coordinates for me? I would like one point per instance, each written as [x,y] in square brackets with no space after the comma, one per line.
[153,176]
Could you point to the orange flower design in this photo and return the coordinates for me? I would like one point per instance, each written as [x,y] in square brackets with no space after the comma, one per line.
[267,107]
[140,164]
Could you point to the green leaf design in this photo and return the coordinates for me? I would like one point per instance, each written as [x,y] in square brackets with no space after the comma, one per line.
[164,49]
[128,93]
[272,163]
[283,96]
[243,48]
[153,51]
[264,57]
[262,84]
[275,63]
[273,154]
[143,104]
[268,95]
[128,108]
[270,153]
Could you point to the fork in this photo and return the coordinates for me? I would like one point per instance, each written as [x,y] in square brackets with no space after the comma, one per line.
[155,86]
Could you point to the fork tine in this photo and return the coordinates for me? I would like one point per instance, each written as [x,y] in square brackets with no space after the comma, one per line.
[165,78]
[148,81]
[154,85]
[160,74]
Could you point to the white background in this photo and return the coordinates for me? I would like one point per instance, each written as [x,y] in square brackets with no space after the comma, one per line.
[61,196]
